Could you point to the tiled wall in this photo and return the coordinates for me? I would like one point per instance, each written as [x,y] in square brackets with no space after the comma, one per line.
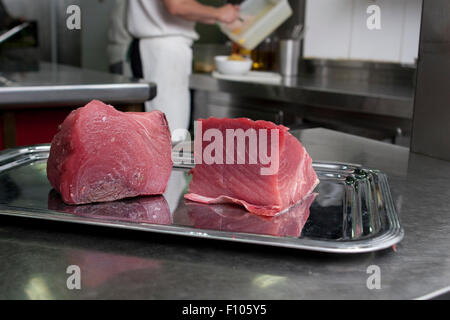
[337,29]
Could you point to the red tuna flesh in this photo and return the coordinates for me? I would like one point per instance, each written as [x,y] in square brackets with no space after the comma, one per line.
[101,154]
[244,184]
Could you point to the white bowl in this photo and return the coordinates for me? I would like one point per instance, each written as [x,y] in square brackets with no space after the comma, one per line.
[233,67]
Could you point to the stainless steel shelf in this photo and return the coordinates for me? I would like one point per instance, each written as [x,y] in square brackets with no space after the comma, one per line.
[386,99]
[59,85]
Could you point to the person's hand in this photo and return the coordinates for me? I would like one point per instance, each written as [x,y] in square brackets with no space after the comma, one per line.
[228,13]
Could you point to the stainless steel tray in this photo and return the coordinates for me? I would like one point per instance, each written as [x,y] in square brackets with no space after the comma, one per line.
[351,212]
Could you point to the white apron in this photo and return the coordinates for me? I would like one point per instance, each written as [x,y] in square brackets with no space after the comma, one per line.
[167,61]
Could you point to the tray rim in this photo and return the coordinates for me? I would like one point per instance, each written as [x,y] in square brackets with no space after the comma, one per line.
[393,235]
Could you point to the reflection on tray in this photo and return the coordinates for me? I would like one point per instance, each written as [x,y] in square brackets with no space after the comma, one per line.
[100,269]
[151,209]
[233,218]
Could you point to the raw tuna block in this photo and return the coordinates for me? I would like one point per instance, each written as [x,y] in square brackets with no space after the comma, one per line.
[101,154]
[236,173]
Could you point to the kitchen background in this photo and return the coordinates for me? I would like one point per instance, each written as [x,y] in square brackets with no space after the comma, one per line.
[340,25]
[351,79]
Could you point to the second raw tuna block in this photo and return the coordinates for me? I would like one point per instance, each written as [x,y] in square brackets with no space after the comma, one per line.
[256,164]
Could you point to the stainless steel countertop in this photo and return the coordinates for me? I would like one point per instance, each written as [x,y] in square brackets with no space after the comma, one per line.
[123,264]
[61,85]
[357,95]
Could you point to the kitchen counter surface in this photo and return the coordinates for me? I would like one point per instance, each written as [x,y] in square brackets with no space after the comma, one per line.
[60,85]
[348,94]
[126,264]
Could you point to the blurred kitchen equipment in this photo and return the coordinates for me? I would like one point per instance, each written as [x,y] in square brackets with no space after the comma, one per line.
[19,48]
[289,52]
[289,55]
[265,55]
[204,54]
[233,67]
[297,32]
[10,33]
[252,76]
[259,18]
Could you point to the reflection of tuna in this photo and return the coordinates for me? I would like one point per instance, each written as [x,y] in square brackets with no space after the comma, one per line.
[152,210]
[98,268]
[236,219]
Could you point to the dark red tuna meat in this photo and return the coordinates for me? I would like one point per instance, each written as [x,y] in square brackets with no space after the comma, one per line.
[243,182]
[101,154]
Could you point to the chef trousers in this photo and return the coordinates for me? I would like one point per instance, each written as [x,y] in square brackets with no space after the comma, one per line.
[167,61]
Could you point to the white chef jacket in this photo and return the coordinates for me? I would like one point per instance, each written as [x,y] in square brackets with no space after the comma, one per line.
[150,18]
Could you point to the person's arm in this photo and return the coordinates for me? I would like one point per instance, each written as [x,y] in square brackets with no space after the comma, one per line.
[195,11]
